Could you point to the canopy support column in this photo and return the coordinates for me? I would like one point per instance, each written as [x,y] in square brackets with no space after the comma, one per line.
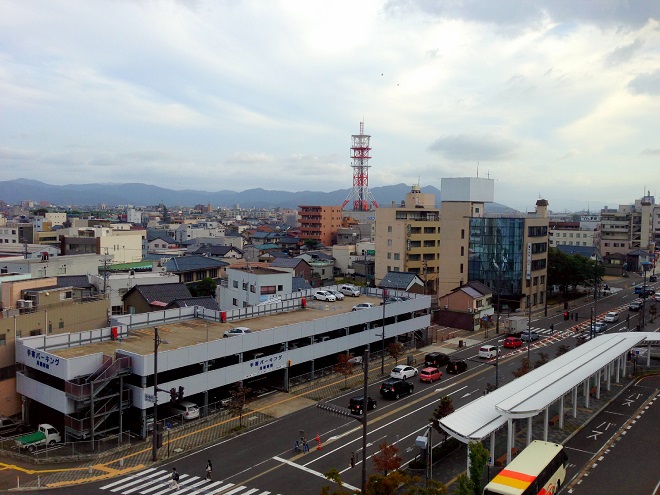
[545,423]
[586,392]
[575,399]
[561,412]
[529,430]
[598,383]
[492,449]
[509,440]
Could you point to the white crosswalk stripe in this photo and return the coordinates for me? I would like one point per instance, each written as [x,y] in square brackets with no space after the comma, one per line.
[154,481]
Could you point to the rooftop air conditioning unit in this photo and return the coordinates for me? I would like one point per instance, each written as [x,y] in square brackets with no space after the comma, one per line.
[20,303]
[446,306]
[28,304]
[469,310]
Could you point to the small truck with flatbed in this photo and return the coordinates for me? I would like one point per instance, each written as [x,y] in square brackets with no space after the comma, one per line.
[45,435]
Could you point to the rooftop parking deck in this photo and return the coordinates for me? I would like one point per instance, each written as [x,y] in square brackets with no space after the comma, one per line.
[198,330]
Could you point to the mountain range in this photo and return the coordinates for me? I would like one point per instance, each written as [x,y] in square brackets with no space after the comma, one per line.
[112,194]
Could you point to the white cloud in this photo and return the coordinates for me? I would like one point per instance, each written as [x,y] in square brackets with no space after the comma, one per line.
[238,95]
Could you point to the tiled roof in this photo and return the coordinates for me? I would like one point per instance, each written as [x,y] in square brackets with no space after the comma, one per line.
[192,263]
[152,235]
[265,247]
[77,281]
[286,262]
[216,250]
[299,283]
[163,293]
[205,301]
[397,280]
[480,287]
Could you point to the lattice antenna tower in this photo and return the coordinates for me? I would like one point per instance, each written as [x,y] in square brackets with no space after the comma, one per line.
[361,196]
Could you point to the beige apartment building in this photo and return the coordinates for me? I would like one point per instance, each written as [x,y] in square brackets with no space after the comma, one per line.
[407,238]
[630,227]
[42,306]
[508,253]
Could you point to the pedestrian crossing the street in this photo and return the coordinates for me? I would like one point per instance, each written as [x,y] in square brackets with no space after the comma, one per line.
[155,481]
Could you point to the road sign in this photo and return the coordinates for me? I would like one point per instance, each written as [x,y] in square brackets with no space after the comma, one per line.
[150,398]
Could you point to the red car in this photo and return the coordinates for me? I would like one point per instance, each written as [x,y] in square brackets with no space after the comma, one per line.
[512,342]
[430,375]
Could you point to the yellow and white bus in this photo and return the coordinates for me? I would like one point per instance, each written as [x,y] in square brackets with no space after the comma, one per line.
[540,469]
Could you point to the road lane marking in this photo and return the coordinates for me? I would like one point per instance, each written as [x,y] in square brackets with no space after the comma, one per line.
[311,471]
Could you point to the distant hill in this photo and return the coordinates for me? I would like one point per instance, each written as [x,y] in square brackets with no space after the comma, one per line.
[15,191]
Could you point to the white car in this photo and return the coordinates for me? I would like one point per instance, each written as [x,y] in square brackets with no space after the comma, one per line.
[237,331]
[402,371]
[360,306]
[324,295]
[349,290]
[338,295]
[611,317]
[488,351]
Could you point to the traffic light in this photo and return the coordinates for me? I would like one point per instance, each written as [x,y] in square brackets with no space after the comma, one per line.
[565,315]
[180,393]
[172,395]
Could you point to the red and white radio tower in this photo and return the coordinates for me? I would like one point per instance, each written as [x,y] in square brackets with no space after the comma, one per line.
[360,194]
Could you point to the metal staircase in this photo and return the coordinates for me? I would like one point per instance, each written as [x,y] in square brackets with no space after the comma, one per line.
[97,397]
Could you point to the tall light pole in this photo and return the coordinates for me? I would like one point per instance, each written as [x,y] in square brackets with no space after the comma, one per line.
[645,267]
[382,339]
[154,446]
[529,301]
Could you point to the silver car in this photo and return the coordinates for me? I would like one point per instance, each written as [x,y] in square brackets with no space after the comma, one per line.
[529,336]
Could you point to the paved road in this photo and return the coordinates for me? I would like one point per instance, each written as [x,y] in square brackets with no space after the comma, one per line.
[619,448]
[262,460]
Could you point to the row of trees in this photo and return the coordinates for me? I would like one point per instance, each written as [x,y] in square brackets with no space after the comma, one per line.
[570,270]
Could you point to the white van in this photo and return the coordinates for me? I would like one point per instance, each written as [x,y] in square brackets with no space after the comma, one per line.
[488,351]
[185,409]
[349,290]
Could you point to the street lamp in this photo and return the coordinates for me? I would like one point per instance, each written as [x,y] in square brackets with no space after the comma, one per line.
[382,339]
[154,447]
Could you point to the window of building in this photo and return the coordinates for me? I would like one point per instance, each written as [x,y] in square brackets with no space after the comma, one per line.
[536,281]
[268,289]
[389,242]
[35,332]
[527,283]
[234,284]
[396,268]
[245,285]
[234,302]
[397,256]
[389,256]
[3,339]
[540,297]
[461,267]
[534,299]
[542,279]
[389,228]
[389,268]
[462,250]
[188,277]
[462,233]
[253,288]
[213,273]
[480,303]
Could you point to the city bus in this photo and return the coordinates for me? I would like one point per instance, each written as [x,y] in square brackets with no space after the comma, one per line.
[540,469]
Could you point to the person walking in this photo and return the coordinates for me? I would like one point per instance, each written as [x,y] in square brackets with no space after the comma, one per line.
[209,469]
[175,479]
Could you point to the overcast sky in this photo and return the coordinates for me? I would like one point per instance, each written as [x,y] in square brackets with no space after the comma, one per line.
[555,99]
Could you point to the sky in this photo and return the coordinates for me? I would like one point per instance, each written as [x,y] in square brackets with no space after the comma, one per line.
[554,99]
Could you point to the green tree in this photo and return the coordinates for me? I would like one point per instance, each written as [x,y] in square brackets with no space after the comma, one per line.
[311,243]
[432,488]
[334,476]
[562,349]
[464,485]
[206,287]
[478,455]
[377,484]
[445,408]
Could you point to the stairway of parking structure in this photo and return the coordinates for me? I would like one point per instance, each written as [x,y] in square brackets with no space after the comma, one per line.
[154,481]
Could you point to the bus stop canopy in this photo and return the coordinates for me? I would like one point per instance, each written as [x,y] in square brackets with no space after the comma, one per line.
[531,393]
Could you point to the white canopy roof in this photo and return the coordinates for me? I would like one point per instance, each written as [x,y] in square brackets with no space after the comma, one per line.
[531,393]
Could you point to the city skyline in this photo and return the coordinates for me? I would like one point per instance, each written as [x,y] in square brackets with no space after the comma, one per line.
[549,99]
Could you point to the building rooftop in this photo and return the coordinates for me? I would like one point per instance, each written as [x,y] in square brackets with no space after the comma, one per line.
[186,333]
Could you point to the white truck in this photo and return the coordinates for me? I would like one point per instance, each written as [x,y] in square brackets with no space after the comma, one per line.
[45,435]
[515,325]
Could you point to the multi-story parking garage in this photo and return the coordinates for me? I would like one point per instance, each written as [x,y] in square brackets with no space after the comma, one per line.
[99,382]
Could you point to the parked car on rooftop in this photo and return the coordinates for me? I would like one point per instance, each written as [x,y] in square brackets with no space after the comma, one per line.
[324,295]
[237,331]
[360,306]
